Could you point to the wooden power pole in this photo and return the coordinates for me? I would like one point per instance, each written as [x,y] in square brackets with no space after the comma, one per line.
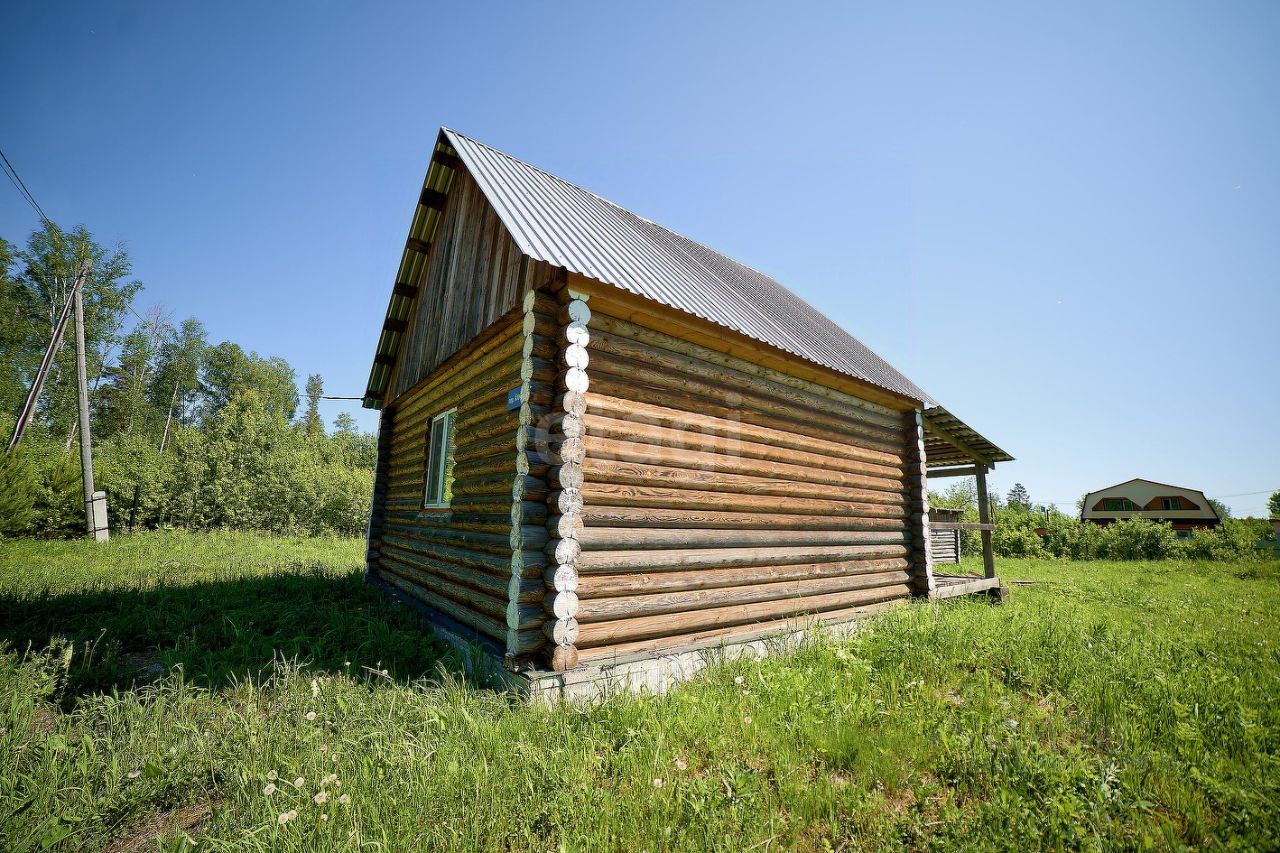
[95,503]
[33,396]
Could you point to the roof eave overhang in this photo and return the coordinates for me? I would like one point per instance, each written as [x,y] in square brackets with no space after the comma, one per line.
[412,271]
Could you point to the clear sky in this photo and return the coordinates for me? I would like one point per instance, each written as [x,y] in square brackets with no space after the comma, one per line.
[1062,222]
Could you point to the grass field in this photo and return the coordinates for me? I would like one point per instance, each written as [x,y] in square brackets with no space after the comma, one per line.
[170,689]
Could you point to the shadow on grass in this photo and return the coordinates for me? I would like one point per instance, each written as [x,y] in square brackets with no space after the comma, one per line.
[220,631]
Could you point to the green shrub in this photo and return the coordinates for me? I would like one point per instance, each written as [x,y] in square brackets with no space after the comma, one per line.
[1017,542]
[19,490]
[1138,539]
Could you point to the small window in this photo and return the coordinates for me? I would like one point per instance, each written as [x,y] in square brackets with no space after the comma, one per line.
[1170,503]
[1118,505]
[437,490]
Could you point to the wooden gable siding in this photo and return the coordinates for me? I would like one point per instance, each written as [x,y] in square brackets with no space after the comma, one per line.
[476,274]
[479,562]
[709,494]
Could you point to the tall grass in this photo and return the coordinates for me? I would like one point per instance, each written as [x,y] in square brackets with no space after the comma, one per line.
[1108,705]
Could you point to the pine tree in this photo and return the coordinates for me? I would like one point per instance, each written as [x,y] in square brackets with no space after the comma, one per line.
[1019,496]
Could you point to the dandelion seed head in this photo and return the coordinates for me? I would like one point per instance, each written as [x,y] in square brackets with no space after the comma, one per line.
[134,774]
[680,764]
[311,716]
[270,789]
[299,782]
[272,775]
[321,798]
[738,679]
[746,720]
[344,799]
[657,782]
[324,817]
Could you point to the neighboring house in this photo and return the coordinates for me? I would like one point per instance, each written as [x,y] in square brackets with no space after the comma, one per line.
[1186,509]
[602,443]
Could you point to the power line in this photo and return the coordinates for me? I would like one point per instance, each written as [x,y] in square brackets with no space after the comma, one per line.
[15,179]
[1246,494]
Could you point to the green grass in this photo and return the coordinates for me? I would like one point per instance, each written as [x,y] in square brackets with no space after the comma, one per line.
[150,689]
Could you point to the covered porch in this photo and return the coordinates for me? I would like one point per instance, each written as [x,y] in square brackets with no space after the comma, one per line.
[954,449]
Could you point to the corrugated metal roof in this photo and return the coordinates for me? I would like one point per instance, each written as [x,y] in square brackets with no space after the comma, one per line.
[562,224]
[939,451]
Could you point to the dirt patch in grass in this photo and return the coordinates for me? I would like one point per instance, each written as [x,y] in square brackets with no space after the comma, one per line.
[144,834]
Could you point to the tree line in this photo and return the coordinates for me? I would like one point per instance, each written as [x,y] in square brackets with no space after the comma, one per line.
[186,432]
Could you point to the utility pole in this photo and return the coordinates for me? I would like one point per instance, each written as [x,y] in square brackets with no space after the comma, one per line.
[164,439]
[33,396]
[95,503]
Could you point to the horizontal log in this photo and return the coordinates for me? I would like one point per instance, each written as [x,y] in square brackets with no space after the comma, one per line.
[943,473]
[500,566]
[609,471]
[598,448]
[646,627]
[642,582]
[711,637]
[729,443]
[960,525]
[468,398]
[501,482]
[804,402]
[593,493]
[605,322]
[561,632]
[411,524]
[470,391]
[527,642]
[627,379]
[530,589]
[463,598]
[678,559]
[504,443]
[619,538]
[462,367]
[634,606]
[688,519]
[540,324]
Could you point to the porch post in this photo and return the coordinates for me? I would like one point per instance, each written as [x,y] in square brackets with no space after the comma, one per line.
[984,516]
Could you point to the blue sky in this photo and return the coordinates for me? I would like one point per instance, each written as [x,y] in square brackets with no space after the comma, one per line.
[1061,222]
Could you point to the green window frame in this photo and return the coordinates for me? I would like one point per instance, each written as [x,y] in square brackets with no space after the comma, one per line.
[435,488]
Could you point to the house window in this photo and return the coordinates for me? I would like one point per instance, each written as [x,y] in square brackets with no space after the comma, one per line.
[437,490]
[1118,505]
[1170,503]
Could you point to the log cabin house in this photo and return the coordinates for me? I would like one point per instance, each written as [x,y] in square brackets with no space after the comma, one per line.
[601,442]
[1185,509]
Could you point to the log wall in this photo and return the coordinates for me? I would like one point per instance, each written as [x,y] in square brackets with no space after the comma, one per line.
[481,560]
[703,493]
